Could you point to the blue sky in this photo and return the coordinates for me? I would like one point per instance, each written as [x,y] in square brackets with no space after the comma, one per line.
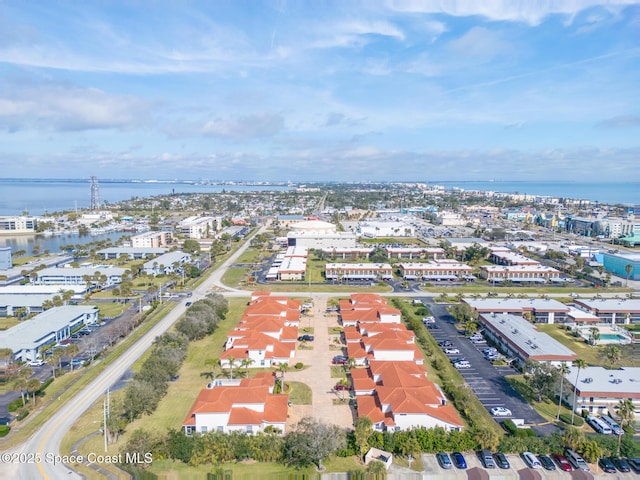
[321,90]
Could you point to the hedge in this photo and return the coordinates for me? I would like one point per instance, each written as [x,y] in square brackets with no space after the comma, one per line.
[511,427]
[22,415]
[15,405]
[577,419]
[4,430]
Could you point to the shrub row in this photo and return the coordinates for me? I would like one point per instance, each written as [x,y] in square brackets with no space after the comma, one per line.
[511,427]
[4,430]
[577,419]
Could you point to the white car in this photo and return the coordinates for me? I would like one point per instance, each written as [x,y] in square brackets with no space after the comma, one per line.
[531,460]
[36,363]
[500,412]
[452,351]
[460,365]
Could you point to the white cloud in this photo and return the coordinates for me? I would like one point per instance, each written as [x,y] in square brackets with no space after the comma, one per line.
[63,107]
[355,33]
[245,127]
[528,11]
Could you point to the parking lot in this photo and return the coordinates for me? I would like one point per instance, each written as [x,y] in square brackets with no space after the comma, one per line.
[486,381]
[518,469]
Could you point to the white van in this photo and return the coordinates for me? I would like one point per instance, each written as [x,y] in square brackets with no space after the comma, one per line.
[613,425]
[576,460]
[599,426]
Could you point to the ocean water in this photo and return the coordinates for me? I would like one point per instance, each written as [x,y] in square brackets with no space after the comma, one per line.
[47,196]
[625,193]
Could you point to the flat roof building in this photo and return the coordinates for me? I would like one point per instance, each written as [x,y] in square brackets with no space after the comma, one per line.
[131,252]
[105,276]
[436,271]
[358,271]
[599,390]
[518,338]
[152,239]
[165,263]
[543,310]
[28,338]
[612,310]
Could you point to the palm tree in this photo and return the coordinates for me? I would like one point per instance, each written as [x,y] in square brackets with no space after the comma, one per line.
[626,411]
[232,363]
[18,384]
[72,350]
[563,371]
[33,385]
[579,364]
[213,362]
[572,437]
[628,268]
[613,354]
[282,368]
[595,335]
[246,363]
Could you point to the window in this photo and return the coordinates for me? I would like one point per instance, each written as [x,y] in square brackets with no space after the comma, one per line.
[203,429]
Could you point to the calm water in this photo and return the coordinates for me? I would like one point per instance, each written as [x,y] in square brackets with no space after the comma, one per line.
[47,196]
[53,244]
[626,193]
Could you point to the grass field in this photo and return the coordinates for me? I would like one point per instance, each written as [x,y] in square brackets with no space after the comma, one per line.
[593,355]
[8,322]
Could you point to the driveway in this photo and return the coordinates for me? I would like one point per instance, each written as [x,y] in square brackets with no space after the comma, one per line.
[317,371]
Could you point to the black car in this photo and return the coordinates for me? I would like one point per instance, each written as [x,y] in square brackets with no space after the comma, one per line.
[445,343]
[501,461]
[305,338]
[339,360]
[546,462]
[621,464]
[634,463]
[607,465]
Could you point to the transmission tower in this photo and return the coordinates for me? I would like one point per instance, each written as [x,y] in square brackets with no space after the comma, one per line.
[95,194]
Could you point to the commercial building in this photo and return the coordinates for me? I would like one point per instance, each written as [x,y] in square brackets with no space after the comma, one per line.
[599,390]
[319,235]
[410,253]
[373,229]
[462,243]
[152,239]
[540,310]
[104,276]
[32,297]
[350,252]
[517,338]
[358,271]
[133,253]
[611,310]
[617,264]
[197,227]
[27,339]
[436,271]
[167,263]
[522,274]
[18,225]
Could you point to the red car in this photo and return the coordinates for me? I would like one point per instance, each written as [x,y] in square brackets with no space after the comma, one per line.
[340,386]
[562,462]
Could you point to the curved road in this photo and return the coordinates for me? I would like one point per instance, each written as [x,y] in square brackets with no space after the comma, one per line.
[39,457]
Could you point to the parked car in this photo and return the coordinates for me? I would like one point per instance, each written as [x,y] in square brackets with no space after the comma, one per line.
[462,364]
[339,360]
[444,460]
[531,460]
[634,463]
[458,460]
[36,363]
[306,338]
[607,465]
[445,343]
[621,464]
[341,386]
[188,304]
[500,412]
[487,459]
[546,462]
[451,351]
[562,462]
[501,461]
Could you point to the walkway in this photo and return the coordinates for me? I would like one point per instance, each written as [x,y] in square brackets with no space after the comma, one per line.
[317,374]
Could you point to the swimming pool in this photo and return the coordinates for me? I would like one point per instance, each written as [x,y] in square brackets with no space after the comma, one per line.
[608,334]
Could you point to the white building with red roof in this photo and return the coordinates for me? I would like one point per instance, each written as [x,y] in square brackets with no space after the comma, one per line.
[388,343]
[398,396]
[249,407]
[367,308]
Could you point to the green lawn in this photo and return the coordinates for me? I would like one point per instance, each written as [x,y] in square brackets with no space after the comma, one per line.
[8,322]
[593,355]
[300,393]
